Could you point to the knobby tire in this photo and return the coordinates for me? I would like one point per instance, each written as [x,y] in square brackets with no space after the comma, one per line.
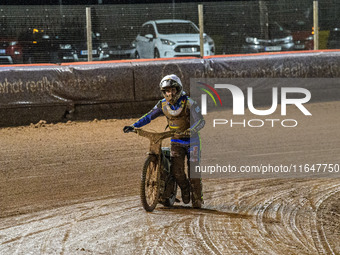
[150,183]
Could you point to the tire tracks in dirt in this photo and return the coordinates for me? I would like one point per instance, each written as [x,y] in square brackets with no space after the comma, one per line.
[91,204]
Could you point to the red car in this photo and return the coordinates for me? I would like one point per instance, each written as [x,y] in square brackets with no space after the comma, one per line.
[11,47]
[302,32]
[303,40]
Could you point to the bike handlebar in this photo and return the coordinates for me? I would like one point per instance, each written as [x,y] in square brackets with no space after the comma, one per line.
[152,135]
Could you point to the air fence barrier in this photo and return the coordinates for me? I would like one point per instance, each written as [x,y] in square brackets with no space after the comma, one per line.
[119,89]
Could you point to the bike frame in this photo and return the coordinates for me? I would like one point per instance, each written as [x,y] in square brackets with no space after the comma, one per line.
[155,140]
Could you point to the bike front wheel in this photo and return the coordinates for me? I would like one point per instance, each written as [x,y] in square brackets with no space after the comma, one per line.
[150,183]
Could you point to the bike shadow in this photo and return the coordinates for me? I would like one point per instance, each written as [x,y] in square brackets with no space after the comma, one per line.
[205,210]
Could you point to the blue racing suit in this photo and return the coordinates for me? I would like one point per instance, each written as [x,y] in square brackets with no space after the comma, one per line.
[184,115]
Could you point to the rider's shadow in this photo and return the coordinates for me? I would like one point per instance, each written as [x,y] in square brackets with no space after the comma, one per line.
[181,209]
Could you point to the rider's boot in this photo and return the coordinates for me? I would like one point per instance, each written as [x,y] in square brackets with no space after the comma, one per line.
[186,194]
[185,189]
[184,184]
[196,193]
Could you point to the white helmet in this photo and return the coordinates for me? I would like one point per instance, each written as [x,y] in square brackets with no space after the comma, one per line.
[171,81]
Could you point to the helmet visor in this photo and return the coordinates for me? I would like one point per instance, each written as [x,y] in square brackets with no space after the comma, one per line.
[169,83]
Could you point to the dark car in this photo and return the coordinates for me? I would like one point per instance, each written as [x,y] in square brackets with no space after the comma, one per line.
[66,50]
[278,39]
[39,46]
[11,47]
[334,39]
[247,38]
[122,49]
[74,48]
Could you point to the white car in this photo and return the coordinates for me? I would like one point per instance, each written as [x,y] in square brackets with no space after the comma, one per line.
[171,38]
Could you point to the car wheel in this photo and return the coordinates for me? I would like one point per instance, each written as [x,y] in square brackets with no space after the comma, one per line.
[156,54]
[137,55]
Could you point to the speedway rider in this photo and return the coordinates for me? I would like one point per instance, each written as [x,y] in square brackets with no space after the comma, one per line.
[179,109]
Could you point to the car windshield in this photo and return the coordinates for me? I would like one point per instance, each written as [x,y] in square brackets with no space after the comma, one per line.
[176,28]
[275,30]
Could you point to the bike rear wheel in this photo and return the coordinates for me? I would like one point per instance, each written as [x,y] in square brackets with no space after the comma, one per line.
[172,199]
[150,183]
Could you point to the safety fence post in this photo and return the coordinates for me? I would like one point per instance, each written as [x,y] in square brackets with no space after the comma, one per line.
[200,19]
[316,24]
[89,33]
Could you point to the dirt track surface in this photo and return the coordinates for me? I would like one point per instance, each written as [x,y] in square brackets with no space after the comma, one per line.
[73,188]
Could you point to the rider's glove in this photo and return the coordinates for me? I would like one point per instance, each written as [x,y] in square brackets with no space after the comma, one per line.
[128,129]
[185,133]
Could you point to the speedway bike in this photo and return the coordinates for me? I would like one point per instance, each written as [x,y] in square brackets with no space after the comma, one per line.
[158,185]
